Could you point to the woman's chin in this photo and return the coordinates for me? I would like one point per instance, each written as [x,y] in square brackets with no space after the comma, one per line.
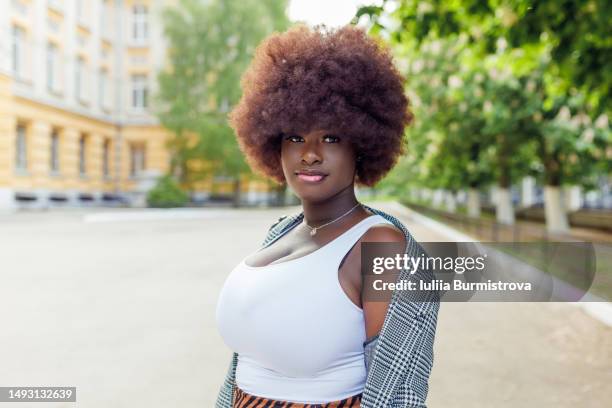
[312,194]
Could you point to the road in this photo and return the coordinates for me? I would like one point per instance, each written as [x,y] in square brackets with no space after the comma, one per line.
[122,307]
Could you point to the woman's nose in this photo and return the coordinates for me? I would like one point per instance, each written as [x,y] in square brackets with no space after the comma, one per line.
[310,155]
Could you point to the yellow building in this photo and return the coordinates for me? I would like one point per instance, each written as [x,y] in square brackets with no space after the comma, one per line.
[76,78]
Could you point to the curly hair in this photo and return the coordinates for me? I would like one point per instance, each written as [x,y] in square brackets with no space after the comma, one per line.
[307,79]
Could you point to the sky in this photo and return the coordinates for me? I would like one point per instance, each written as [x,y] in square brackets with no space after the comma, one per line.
[330,12]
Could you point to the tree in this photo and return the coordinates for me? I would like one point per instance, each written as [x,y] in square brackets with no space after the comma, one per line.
[550,63]
[210,45]
[449,121]
[465,133]
[576,33]
[573,150]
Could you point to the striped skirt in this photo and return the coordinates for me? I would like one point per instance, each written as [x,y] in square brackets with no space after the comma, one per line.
[244,400]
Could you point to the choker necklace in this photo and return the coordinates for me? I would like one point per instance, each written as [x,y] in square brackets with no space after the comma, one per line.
[313,230]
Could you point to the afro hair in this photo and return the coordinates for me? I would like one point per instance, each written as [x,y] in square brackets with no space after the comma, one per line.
[339,80]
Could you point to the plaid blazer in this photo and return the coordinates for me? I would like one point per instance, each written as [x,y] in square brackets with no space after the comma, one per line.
[403,356]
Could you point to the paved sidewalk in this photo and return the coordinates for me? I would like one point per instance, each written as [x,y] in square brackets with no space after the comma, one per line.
[120,307]
[123,309]
[515,354]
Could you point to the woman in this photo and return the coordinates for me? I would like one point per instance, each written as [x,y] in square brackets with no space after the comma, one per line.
[321,111]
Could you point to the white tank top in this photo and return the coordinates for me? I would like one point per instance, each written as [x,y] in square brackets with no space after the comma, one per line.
[298,336]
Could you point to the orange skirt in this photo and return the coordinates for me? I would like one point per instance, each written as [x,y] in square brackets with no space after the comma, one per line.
[244,400]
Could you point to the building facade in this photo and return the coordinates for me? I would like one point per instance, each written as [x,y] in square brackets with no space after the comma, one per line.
[76,79]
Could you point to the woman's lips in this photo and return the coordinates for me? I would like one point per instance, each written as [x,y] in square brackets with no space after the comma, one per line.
[311,178]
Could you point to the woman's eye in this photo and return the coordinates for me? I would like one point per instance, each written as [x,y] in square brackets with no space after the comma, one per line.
[294,138]
[331,138]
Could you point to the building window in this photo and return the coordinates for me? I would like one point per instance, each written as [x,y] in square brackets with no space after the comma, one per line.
[55,4]
[54,164]
[137,159]
[52,67]
[140,91]
[19,6]
[103,89]
[106,158]
[80,11]
[140,25]
[82,155]
[80,80]
[18,50]
[21,149]
[105,19]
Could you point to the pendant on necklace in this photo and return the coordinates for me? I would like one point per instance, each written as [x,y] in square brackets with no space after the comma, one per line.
[313,231]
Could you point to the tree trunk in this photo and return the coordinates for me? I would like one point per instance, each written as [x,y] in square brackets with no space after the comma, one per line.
[450,202]
[556,217]
[438,196]
[504,210]
[573,198]
[423,195]
[554,208]
[473,203]
[412,195]
[527,192]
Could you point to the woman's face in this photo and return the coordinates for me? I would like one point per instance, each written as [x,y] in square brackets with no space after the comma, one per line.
[318,164]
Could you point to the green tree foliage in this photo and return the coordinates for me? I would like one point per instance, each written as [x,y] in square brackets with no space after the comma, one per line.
[576,34]
[555,70]
[470,124]
[541,104]
[573,149]
[449,123]
[210,45]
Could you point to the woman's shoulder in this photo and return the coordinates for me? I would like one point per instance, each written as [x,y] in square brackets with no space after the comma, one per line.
[284,221]
[384,233]
[399,226]
[280,225]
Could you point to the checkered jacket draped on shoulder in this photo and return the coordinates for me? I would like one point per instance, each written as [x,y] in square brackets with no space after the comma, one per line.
[399,371]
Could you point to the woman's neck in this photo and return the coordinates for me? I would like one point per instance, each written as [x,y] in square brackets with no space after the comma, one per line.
[318,213]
